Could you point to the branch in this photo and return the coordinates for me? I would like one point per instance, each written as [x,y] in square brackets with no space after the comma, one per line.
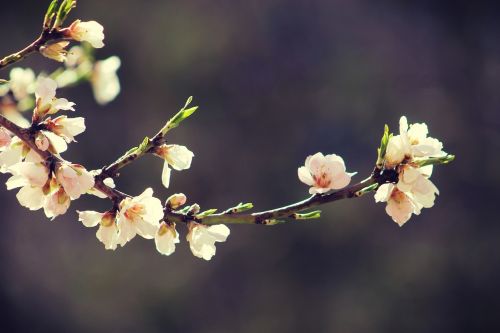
[268,217]
[44,38]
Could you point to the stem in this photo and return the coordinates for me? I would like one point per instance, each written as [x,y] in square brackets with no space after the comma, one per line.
[288,212]
[131,156]
[44,38]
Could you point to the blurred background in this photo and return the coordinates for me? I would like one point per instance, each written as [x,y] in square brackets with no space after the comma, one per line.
[276,81]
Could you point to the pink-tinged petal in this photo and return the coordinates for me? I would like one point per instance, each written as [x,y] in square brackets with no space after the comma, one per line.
[399,211]
[340,181]
[315,163]
[336,158]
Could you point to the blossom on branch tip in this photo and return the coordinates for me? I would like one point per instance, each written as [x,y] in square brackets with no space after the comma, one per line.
[75,179]
[55,51]
[165,238]
[202,238]
[176,156]
[90,31]
[324,173]
[46,101]
[412,142]
[104,81]
[108,230]
[139,215]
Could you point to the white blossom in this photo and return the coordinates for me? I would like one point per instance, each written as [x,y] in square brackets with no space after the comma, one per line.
[413,192]
[90,31]
[75,179]
[324,173]
[105,83]
[165,238]
[22,82]
[67,128]
[12,154]
[202,238]
[108,230]
[176,156]
[139,215]
[46,101]
[412,142]
[32,178]
[55,51]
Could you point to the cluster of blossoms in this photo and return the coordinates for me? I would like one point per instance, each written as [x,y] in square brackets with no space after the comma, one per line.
[414,190]
[31,152]
[404,154]
[143,216]
[51,183]
[48,184]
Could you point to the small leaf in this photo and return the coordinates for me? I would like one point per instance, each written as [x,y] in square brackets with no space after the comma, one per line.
[144,146]
[383,146]
[435,160]
[206,213]
[366,190]
[50,14]
[307,216]
[241,207]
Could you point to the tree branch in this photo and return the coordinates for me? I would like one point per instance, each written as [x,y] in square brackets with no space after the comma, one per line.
[44,38]
[267,217]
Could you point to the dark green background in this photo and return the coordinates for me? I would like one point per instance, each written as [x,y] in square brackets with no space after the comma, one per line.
[276,81]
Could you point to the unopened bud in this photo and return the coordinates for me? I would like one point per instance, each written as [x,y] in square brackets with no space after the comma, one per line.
[176,200]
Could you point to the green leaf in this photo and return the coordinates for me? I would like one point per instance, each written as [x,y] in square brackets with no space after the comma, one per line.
[383,146]
[144,146]
[366,190]
[307,216]
[50,14]
[241,207]
[184,113]
[435,160]
[63,12]
[206,213]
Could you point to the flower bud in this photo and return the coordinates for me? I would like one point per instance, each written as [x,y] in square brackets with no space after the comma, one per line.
[176,200]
